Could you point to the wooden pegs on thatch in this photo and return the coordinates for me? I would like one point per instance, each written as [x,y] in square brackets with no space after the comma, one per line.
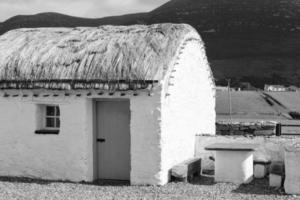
[56,95]
[100,93]
[46,95]
[135,94]
[111,93]
[35,95]
[89,94]
[78,95]
[25,95]
[123,94]
[15,95]
[67,94]
[6,95]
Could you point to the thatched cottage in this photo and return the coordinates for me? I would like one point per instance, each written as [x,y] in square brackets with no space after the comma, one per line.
[108,102]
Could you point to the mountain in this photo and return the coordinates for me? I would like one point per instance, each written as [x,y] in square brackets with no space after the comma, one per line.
[256,41]
[60,20]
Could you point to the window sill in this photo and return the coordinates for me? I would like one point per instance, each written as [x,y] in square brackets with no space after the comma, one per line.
[47,132]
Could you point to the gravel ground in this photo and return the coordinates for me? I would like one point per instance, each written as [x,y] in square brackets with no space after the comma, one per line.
[200,188]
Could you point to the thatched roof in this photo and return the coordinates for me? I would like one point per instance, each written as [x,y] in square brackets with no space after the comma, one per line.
[61,58]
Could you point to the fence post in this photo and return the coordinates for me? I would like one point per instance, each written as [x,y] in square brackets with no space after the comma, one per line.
[278,129]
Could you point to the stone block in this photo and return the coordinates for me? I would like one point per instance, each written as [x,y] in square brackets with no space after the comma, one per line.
[261,166]
[277,167]
[276,174]
[260,171]
[292,164]
[187,170]
[275,180]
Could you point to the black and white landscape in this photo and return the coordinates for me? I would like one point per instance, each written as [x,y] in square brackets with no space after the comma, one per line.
[256,41]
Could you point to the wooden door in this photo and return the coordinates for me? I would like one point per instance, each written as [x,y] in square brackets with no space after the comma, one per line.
[113,140]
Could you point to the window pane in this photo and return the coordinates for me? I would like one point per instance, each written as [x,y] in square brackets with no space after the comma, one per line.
[57,122]
[57,111]
[50,110]
[50,122]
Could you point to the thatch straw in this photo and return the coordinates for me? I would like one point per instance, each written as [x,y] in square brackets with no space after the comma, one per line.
[66,58]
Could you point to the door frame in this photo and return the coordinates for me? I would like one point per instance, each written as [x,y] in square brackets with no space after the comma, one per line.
[95,133]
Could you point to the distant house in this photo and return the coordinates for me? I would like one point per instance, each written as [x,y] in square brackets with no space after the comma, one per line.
[221,88]
[275,88]
[224,88]
[246,86]
[110,102]
[293,88]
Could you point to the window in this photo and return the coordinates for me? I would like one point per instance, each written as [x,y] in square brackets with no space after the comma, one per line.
[47,119]
[52,118]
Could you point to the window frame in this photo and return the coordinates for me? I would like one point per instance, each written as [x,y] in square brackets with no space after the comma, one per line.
[55,116]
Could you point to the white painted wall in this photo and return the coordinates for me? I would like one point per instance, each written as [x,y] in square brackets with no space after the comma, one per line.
[63,157]
[188,106]
[234,166]
[146,139]
[70,155]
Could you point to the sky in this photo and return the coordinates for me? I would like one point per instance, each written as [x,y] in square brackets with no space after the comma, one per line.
[80,8]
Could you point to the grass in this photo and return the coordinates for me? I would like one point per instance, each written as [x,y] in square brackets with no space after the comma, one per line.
[251,106]
[201,188]
[258,105]
[243,103]
[289,99]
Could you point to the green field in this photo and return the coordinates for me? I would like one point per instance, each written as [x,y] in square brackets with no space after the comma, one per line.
[245,105]
[289,99]
[253,106]
[257,105]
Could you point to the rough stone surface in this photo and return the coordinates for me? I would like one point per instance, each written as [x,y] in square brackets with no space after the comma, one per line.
[246,128]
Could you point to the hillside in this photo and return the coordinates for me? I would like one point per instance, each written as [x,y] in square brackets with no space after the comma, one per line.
[247,40]
[258,105]
[232,16]
[60,20]
[247,105]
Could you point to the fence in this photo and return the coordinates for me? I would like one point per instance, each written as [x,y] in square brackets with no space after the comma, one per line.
[287,129]
[257,128]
